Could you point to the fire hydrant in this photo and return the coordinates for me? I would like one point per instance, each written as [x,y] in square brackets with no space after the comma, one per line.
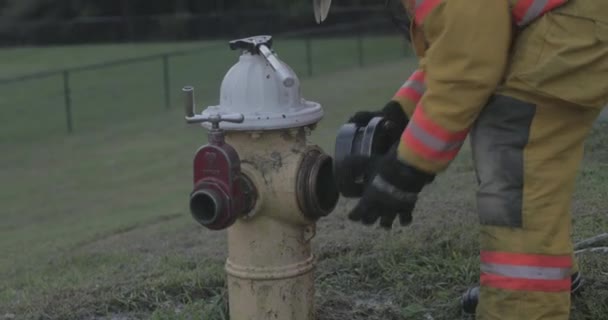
[259,178]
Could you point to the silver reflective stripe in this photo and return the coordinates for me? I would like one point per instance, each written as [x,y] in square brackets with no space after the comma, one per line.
[526,272]
[534,11]
[415,85]
[431,141]
[386,187]
[419,2]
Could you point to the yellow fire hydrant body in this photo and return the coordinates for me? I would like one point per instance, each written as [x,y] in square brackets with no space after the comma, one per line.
[270,284]
[270,259]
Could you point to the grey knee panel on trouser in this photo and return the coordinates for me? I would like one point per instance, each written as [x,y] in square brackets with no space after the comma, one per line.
[498,139]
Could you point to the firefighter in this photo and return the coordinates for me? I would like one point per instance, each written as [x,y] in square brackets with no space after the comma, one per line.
[525,80]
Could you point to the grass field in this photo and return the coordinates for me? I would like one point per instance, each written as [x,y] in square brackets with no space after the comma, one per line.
[35,108]
[96,225]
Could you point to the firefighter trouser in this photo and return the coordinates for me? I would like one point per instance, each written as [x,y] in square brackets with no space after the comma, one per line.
[526,159]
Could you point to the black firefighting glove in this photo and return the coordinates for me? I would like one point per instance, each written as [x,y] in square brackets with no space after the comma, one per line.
[393,190]
[392,111]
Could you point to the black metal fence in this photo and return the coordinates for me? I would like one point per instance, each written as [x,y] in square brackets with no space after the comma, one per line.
[66,76]
[95,95]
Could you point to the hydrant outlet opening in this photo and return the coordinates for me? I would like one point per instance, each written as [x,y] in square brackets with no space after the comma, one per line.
[316,190]
[250,194]
[205,206]
[324,185]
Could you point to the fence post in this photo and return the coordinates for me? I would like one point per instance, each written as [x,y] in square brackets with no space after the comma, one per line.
[166,81]
[360,45]
[308,43]
[68,100]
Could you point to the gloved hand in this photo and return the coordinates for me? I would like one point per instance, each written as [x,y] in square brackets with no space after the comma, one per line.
[392,111]
[393,190]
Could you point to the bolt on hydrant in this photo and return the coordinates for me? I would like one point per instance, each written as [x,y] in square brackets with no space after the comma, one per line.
[259,178]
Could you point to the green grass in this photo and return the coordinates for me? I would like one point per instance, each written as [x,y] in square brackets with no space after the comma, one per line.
[96,225]
[25,60]
[35,109]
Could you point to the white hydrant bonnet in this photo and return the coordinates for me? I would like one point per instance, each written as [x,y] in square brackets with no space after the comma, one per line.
[267,92]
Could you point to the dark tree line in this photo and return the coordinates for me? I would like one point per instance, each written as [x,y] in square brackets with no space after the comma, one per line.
[45,22]
[71,9]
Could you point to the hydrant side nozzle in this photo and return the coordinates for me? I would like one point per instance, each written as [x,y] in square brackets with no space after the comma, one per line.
[216,210]
[216,201]
[250,195]
[206,206]
[316,191]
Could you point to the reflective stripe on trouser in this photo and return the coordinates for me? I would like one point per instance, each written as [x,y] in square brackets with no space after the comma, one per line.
[526,159]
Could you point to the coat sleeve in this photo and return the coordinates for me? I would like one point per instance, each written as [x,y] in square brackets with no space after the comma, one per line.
[410,93]
[466,56]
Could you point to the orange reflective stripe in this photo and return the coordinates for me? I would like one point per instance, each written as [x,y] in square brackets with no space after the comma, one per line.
[520,259]
[430,140]
[423,8]
[526,11]
[413,88]
[508,283]
[525,272]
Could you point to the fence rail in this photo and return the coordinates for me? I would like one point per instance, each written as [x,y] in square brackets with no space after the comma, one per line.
[310,52]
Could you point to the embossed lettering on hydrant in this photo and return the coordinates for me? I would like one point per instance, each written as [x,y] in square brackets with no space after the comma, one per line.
[210,163]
